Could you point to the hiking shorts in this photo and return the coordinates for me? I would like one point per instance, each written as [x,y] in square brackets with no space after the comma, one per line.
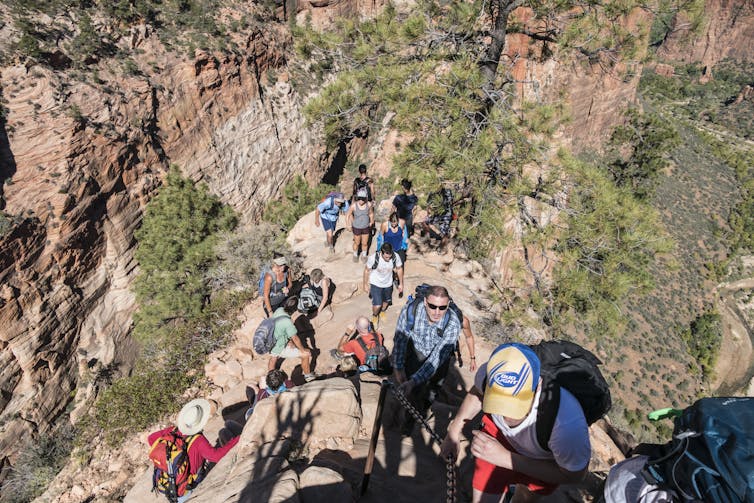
[329,225]
[361,232]
[381,295]
[493,479]
[289,352]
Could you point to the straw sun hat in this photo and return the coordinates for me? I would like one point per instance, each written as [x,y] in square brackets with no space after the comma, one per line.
[193,416]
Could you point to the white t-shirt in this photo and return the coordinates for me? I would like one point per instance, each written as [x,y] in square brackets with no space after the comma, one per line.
[383,275]
[569,442]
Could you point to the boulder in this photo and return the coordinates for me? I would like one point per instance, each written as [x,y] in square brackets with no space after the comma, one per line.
[317,410]
[345,291]
[320,483]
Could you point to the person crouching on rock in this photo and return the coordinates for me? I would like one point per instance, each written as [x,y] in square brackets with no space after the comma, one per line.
[287,342]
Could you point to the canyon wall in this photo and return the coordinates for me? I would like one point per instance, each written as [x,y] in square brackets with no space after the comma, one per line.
[84,153]
[727,32]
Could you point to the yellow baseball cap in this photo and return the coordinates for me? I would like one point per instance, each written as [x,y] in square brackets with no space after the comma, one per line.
[512,377]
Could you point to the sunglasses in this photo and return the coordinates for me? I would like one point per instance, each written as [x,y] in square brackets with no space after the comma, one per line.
[441,308]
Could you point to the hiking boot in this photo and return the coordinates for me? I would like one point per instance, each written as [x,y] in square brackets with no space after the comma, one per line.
[383,316]
[375,320]
[332,250]
[310,377]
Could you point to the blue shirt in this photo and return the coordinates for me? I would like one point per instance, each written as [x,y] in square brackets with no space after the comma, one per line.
[330,211]
[427,343]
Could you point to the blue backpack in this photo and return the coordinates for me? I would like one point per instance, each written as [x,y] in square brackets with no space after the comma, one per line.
[710,457]
[264,272]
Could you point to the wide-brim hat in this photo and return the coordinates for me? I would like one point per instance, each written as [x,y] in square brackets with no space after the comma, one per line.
[193,416]
[512,378]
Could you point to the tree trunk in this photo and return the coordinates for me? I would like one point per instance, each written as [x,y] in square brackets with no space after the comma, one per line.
[500,9]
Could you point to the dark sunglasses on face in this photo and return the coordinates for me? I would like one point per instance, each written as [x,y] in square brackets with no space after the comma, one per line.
[441,308]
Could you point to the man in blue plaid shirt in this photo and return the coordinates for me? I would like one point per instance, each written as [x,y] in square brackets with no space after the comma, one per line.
[422,353]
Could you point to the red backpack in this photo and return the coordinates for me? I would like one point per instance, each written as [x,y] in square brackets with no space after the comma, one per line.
[172,469]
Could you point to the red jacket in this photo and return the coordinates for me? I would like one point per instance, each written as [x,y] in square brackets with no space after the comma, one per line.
[200,450]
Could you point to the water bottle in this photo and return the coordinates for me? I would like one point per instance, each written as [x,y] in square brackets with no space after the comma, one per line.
[372,362]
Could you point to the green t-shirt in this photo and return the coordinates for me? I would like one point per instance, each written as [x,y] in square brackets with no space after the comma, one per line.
[284,330]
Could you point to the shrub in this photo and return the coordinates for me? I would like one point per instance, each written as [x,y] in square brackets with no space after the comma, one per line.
[243,254]
[157,386]
[38,462]
[176,244]
[298,199]
[703,338]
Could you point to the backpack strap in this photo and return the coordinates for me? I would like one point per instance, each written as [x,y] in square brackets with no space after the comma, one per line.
[547,411]
[376,260]
[362,344]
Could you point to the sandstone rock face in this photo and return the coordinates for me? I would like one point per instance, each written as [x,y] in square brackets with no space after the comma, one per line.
[594,92]
[84,159]
[728,32]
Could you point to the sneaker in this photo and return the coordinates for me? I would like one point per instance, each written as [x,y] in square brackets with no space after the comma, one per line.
[375,320]
[355,257]
[310,377]
[332,250]
[383,316]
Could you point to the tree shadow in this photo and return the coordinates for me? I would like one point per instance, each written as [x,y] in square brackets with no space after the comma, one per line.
[273,458]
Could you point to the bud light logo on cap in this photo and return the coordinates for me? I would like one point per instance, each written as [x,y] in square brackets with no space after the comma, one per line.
[511,379]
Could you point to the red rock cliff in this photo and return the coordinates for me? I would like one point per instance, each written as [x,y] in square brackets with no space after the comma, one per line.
[80,162]
[727,32]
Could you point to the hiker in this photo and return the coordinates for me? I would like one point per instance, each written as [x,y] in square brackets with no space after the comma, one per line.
[393,232]
[165,447]
[437,224]
[506,447]
[357,339]
[425,339]
[405,205]
[378,280]
[363,185]
[276,284]
[360,216]
[328,211]
[276,381]
[323,289]
[287,342]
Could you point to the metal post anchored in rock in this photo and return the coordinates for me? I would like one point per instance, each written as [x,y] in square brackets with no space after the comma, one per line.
[375,437]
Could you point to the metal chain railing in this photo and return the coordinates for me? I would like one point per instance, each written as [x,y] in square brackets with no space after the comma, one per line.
[450,461]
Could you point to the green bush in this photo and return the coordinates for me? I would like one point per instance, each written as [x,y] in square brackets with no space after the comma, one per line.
[703,339]
[176,244]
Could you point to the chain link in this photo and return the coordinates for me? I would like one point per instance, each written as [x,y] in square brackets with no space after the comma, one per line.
[450,461]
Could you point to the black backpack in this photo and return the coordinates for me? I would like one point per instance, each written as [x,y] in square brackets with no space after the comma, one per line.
[377,260]
[568,365]
[710,457]
[361,188]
